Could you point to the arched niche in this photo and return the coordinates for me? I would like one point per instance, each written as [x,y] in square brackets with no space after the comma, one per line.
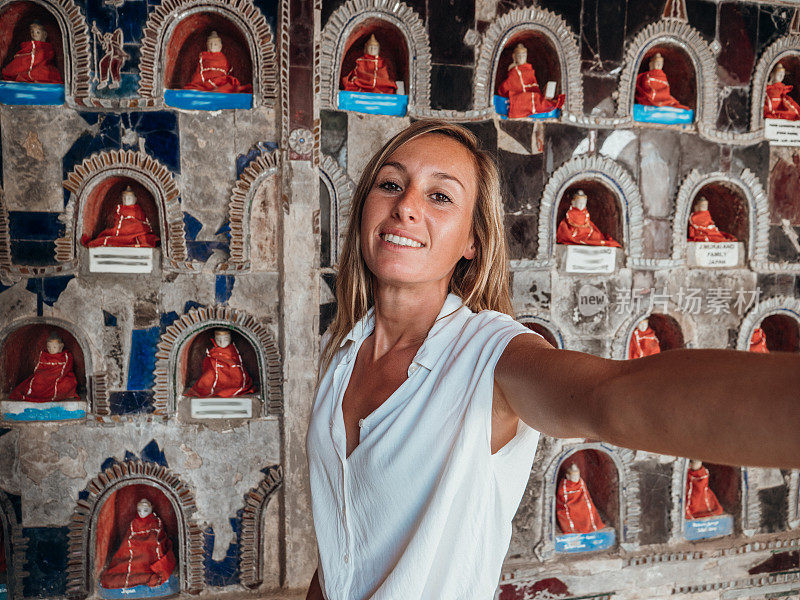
[12,548]
[782,333]
[114,517]
[785,50]
[600,474]
[194,350]
[729,486]
[673,329]
[259,564]
[554,50]
[394,49]
[545,328]
[188,39]
[728,208]
[336,196]
[680,71]
[15,19]
[779,317]
[603,206]
[793,499]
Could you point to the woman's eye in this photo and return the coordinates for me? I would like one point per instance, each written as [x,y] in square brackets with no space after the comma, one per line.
[440,197]
[389,186]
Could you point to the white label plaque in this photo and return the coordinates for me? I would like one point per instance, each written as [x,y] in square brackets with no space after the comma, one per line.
[590,259]
[781,132]
[717,254]
[222,408]
[108,259]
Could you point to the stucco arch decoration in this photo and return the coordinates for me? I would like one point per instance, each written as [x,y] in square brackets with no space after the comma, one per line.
[519,21]
[12,531]
[342,23]
[778,305]
[784,46]
[547,324]
[251,542]
[199,319]
[84,521]
[340,189]
[612,175]
[619,346]
[138,166]
[793,493]
[243,13]
[758,212]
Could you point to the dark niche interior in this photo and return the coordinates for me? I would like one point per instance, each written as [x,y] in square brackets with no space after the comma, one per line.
[394,49]
[680,71]
[189,39]
[98,213]
[15,21]
[790,62]
[782,332]
[5,554]
[600,475]
[728,208]
[724,481]
[21,349]
[543,331]
[542,56]
[667,331]
[195,351]
[326,240]
[602,204]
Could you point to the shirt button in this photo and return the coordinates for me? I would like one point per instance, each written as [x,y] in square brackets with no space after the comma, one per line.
[412,369]
[361,422]
[346,558]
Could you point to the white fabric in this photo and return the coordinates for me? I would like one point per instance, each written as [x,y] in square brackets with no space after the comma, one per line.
[420,509]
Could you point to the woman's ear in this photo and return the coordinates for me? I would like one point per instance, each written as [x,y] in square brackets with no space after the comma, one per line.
[471,250]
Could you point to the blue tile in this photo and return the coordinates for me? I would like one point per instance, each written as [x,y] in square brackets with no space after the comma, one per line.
[127,403]
[190,305]
[163,145]
[109,320]
[269,8]
[33,253]
[223,288]
[261,148]
[108,463]
[153,453]
[168,319]
[191,227]
[25,225]
[46,561]
[131,18]
[142,360]
[48,289]
[128,85]
[201,251]
[220,572]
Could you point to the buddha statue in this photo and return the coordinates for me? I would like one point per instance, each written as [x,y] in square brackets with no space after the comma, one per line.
[520,87]
[144,556]
[758,341]
[777,102]
[33,63]
[213,71]
[702,227]
[371,73]
[643,341]
[652,87]
[53,378]
[577,228]
[224,375]
[700,500]
[575,511]
[130,228]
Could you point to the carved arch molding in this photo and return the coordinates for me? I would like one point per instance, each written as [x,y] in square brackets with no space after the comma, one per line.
[15,543]
[251,541]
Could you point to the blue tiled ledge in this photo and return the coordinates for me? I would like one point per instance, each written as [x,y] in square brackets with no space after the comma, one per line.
[586,542]
[666,115]
[31,94]
[168,588]
[501,108]
[43,411]
[197,100]
[393,105]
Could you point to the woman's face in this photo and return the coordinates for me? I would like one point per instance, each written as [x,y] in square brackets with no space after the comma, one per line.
[417,219]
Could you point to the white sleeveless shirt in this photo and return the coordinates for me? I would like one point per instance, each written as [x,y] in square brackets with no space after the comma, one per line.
[421,509]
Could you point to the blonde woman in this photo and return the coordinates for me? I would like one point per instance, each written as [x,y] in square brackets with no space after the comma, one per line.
[431,397]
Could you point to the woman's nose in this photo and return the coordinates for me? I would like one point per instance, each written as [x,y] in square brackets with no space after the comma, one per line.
[409,205]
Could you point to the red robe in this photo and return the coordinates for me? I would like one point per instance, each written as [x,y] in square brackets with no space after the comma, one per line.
[575,510]
[778,104]
[525,97]
[143,558]
[369,75]
[577,229]
[700,500]
[213,75]
[33,64]
[643,343]
[702,229]
[758,341]
[224,375]
[652,89]
[131,229]
[53,380]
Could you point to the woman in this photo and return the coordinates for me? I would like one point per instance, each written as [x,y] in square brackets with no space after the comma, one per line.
[430,399]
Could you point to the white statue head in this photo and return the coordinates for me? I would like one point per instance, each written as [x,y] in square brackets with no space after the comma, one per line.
[778,73]
[214,42]
[37,31]
[573,473]
[579,199]
[222,337]
[643,325]
[144,508]
[520,54]
[54,344]
[372,47]
[695,464]
[701,204]
[656,61]
[128,197]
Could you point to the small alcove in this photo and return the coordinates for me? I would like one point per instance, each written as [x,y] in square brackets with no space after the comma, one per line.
[682,77]
[725,482]
[602,204]
[729,210]
[782,333]
[791,63]
[666,329]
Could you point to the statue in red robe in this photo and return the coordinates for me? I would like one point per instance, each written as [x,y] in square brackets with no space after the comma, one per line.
[144,557]
[702,227]
[53,378]
[213,71]
[700,500]
[777,102]
[643,341]
[575,511]
[131,228]
[577,228]
[758,341]
[371,73]
[34,61]
[523,93]
[652,87]
[224,375]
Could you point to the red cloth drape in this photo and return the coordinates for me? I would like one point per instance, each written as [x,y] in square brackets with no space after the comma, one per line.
[130,229]
[703,229]
[213,75]
[53,380]
[758,341]
[525,97]
[643,343]
[575,511]
[652,89]
[778,104]
[700,500]
[577,229]
[224,375]
[369,75]
[33,64]
[143,558]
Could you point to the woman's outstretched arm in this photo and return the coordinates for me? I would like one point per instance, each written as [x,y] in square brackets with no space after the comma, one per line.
[721,406]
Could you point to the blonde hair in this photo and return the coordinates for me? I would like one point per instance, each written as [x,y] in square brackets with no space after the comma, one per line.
[482,283]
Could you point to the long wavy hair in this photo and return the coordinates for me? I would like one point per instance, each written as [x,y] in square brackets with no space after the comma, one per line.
[482,282]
